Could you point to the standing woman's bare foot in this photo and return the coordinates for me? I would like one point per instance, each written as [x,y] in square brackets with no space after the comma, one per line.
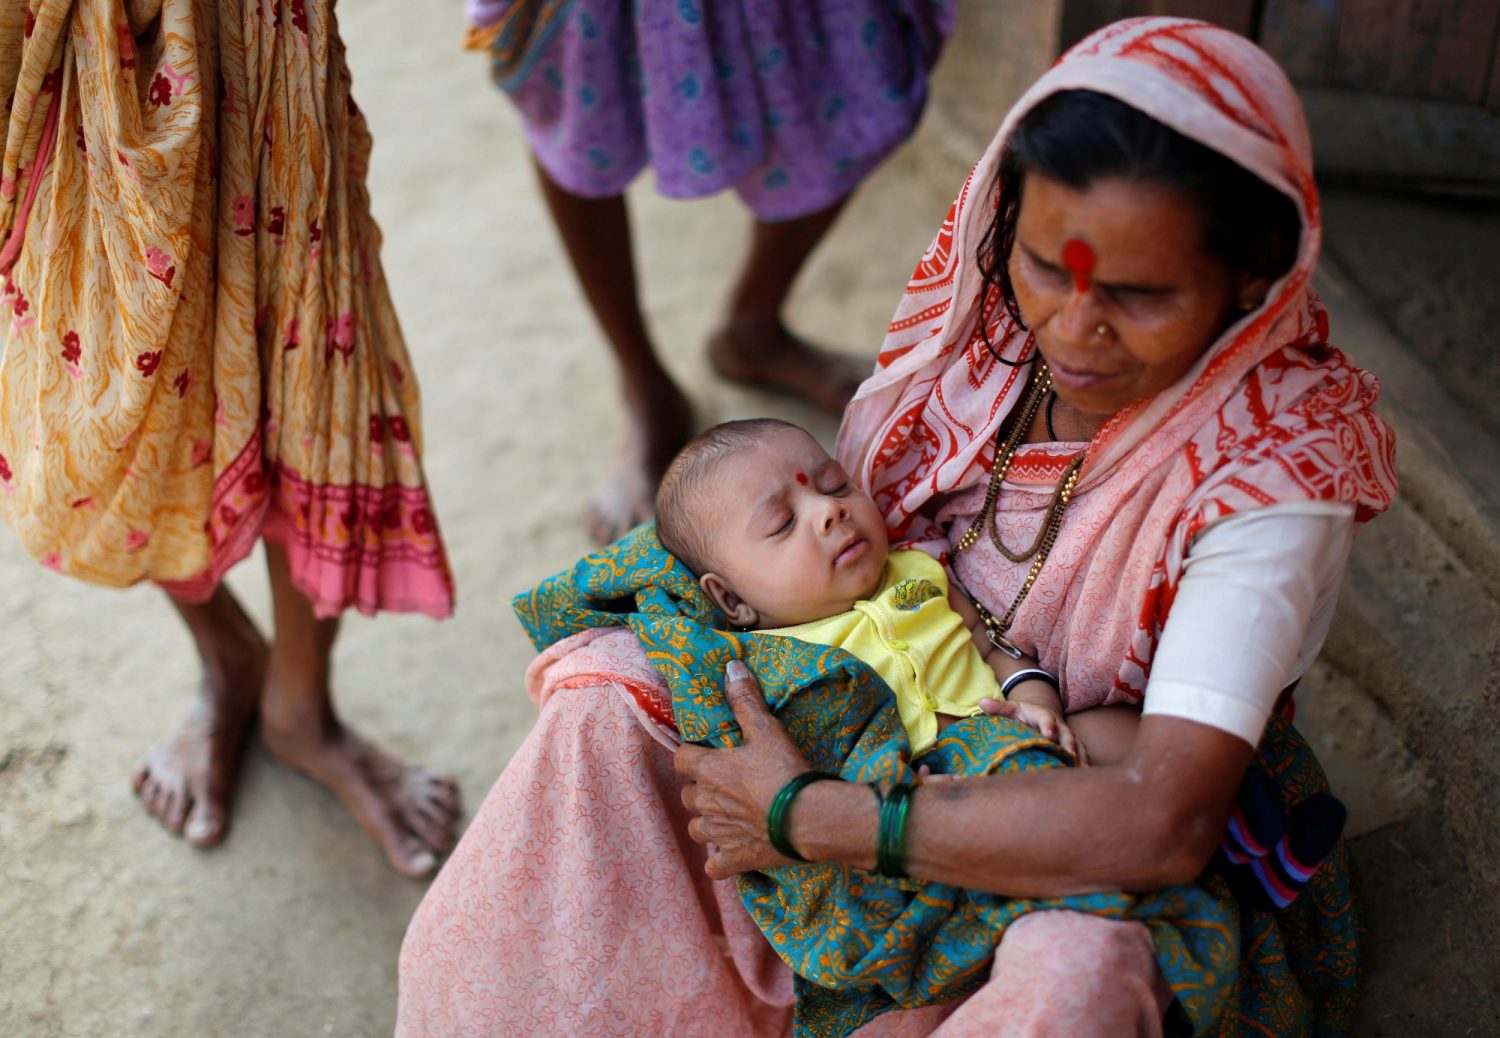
[661,422]
[187,780]
[761,352]
[412,813]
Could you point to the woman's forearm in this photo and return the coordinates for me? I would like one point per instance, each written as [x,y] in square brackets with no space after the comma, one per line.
[1045,834]
[1003,833]
[836,821]
[1055,832]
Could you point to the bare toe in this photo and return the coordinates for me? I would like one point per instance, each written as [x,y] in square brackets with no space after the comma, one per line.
[157,802]
[433,832]
[623,500]
[433,822]
[407,850]
[620,503]
[443,794]
[206,824]
[414,861]
[176,810]
[148,794]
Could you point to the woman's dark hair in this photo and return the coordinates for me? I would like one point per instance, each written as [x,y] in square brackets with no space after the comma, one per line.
[1077,137]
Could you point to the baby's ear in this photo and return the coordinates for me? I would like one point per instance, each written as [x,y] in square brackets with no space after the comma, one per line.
[735,608]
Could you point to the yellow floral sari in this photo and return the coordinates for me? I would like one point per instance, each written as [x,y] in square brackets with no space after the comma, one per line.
[200,346]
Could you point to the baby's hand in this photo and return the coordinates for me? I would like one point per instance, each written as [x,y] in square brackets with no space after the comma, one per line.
[1046,720]
[926,774]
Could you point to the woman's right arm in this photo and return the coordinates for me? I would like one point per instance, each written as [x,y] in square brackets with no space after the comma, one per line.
[1151,821]
[1251,611]
[1256,598]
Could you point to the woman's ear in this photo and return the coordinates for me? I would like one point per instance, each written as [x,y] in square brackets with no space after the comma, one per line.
[1252,292]
[735,608]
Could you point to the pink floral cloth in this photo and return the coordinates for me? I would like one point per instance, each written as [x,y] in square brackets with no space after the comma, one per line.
[576,901]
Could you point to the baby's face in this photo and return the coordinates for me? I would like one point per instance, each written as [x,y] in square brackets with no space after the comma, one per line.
[793,539]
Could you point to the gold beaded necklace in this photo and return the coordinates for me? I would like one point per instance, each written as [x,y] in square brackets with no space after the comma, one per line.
[1005,453]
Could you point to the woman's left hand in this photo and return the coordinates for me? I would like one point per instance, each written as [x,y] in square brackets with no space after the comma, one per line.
[730,790]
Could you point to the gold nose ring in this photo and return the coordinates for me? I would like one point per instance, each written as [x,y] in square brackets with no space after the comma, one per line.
[1102,330]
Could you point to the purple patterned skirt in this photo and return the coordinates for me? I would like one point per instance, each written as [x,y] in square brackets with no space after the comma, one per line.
[789,102]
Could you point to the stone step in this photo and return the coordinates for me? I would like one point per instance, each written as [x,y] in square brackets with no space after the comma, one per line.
[1449,463]
[1404,704]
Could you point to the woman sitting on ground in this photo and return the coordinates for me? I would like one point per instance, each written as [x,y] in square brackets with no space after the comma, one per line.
[1109,393]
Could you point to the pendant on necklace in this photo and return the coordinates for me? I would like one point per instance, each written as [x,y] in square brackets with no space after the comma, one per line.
[1002,643]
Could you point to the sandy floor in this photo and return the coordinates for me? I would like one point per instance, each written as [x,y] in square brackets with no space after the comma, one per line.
[107,927]
[292,927]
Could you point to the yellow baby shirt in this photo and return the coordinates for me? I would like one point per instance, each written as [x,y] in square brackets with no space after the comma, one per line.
[915,641]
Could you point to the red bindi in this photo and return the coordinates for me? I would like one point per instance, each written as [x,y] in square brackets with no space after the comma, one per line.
[1080,260]
[801,479]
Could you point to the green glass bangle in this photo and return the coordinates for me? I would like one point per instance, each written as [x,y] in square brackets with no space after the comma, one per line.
[890,841]
[782,806]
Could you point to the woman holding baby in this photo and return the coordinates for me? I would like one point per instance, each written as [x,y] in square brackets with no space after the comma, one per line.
[1107,395]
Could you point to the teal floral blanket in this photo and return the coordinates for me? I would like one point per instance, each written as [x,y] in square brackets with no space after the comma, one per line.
[861,944]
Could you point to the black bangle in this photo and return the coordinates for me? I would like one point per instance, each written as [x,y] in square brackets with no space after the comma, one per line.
[782,806]
[1029,674]
[890,841]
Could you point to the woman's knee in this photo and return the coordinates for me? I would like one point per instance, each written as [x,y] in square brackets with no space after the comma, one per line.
[1065,973]
[1049,940]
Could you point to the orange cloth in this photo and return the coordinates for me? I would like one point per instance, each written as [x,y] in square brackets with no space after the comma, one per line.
[200,344]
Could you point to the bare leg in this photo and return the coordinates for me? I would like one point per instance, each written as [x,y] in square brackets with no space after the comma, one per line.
[596,233]
[754,346]
[187,779]
[410,811]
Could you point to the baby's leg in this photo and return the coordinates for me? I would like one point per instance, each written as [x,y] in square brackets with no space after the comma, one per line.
[1107,731]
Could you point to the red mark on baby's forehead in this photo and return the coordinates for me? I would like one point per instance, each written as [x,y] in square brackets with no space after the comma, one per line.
[1080,260]
[802,479]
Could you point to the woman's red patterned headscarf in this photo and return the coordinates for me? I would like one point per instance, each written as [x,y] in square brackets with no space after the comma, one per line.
[1270,412]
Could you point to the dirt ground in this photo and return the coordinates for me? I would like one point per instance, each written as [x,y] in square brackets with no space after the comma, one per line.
[292,927]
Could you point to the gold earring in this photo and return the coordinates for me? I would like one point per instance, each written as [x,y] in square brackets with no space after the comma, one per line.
[1249,304]
[1102,330]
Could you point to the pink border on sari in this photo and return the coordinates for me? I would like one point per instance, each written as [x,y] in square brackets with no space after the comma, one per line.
[12,248]
[374,548]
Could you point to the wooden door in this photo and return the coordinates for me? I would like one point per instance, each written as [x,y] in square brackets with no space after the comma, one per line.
[1396,90]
